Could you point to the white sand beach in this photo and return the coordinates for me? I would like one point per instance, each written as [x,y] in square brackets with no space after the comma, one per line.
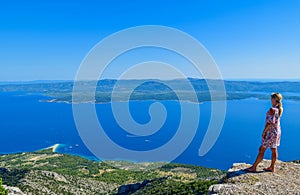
[54,147]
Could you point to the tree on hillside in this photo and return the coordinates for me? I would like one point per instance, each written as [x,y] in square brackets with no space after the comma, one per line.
[2,190]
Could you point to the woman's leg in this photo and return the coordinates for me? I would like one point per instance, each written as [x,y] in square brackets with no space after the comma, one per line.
[274,158]
[259,158]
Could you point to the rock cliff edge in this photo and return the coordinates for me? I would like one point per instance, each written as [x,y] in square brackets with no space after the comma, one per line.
[285,180]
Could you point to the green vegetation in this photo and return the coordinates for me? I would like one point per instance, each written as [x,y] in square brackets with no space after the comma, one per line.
[120,176]
[70,165]
[43,172]
[202,172]
[13,176]
[2,190]
[169,186]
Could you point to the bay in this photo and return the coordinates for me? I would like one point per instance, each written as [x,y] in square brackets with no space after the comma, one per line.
[26,124]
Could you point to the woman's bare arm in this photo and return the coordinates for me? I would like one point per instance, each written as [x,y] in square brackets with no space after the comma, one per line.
[265,130]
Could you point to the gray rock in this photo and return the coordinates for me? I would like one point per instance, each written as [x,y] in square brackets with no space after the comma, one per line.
[13,190]
[218,188]
[56,176]
[285,180]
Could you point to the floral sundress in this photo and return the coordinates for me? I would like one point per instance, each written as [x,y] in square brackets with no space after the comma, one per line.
[272,138]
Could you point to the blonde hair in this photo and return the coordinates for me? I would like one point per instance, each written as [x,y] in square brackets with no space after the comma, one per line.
[278,98]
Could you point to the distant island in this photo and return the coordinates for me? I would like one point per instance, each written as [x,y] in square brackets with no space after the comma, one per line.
[61,91]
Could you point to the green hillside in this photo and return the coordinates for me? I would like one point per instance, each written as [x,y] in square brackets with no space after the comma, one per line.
[45,172]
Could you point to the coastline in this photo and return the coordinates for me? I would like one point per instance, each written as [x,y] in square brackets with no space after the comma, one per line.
[54,147]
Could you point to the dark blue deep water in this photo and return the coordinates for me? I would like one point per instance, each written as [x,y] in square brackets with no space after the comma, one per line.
[26,124]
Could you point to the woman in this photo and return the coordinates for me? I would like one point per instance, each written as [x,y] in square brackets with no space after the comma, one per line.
[271,133]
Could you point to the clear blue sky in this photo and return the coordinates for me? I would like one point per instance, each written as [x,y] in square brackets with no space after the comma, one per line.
[44,40]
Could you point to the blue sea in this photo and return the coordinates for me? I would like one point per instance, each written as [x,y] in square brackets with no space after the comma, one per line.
[28,124]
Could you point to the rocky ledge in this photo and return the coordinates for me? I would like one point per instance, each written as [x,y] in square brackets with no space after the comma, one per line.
[13,190]
[285,180]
